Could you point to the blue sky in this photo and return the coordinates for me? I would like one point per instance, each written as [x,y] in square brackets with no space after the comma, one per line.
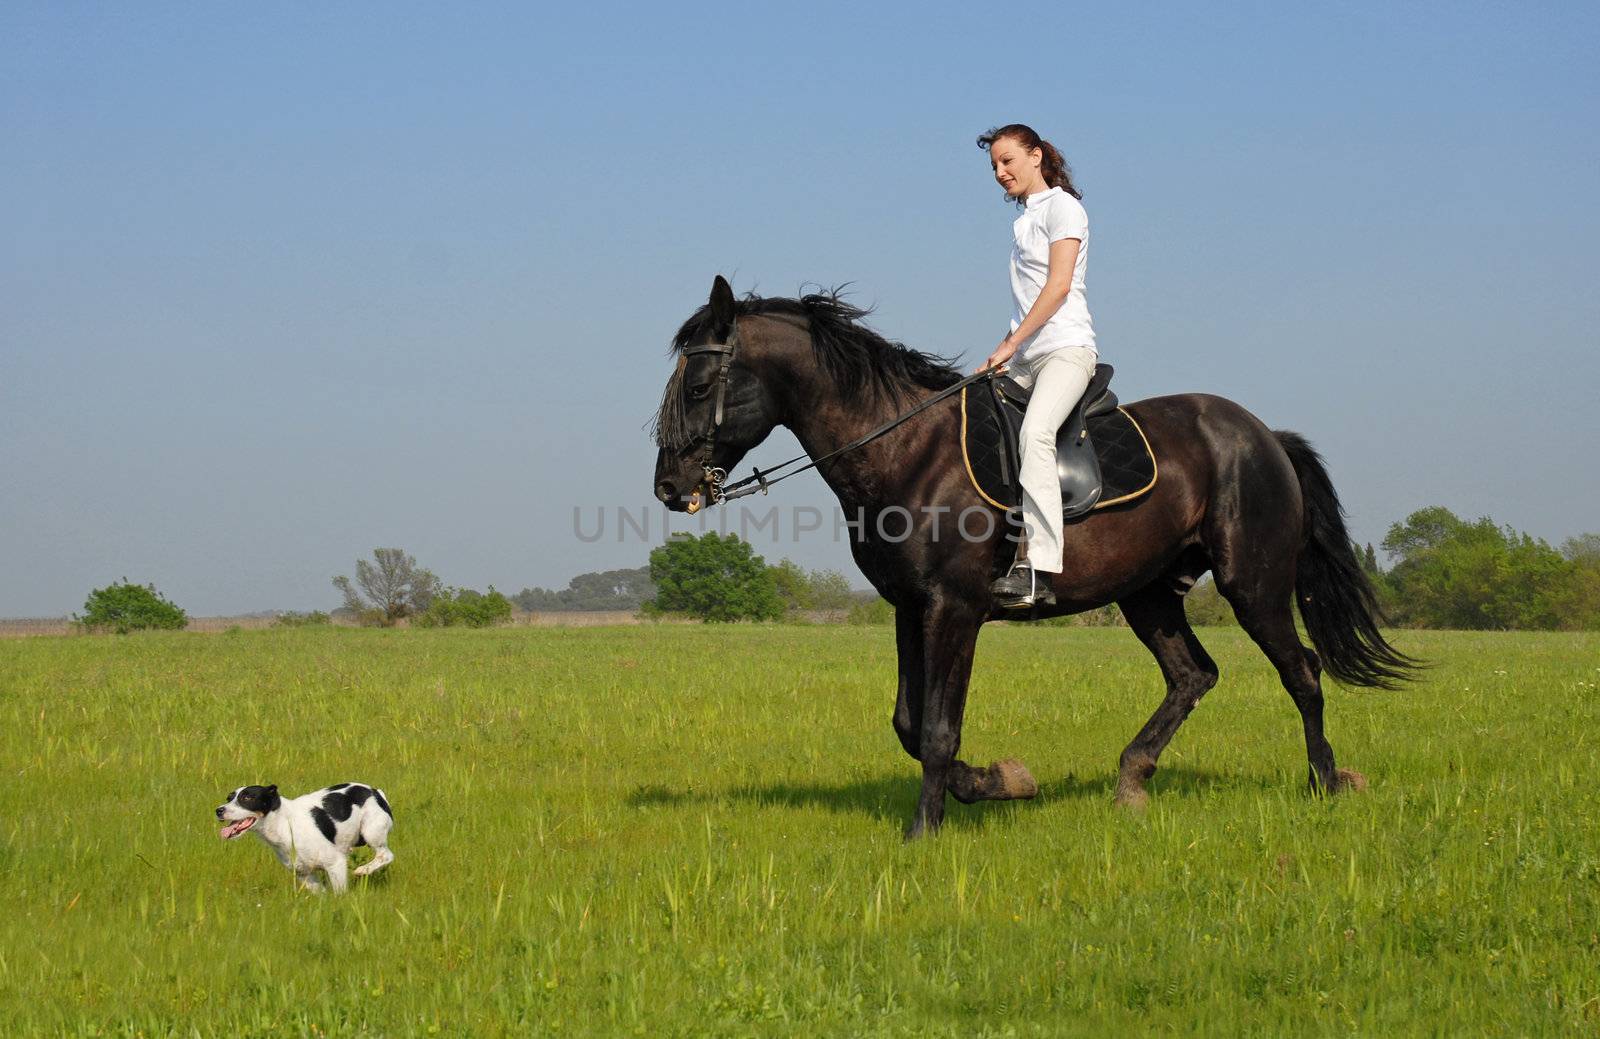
[284,283]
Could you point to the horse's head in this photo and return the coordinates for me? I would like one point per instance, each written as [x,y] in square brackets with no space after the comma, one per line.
[715,408]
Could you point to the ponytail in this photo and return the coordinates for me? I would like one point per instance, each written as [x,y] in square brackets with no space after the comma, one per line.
[1052,167]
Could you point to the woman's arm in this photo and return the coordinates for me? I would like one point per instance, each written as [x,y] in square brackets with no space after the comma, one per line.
[1057,286]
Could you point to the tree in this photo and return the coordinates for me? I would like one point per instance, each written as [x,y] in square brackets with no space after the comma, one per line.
[1422,531]
[465,607]
[392,587]
[1583,550]
[813,590]
[1450,573]
[605,590]
[830,590]
[793,585]
[129,607]
[1582,608]
[714,578]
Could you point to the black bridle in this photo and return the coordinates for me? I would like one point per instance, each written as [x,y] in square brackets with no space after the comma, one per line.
[714,476]
[708,439]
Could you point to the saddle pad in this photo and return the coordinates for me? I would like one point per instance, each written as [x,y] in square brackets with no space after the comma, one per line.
[988,447]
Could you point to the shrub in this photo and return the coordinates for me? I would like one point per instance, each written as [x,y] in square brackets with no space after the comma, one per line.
[814,590]
[794,589]
[875,611]
[830,590]
[129,607]
[463,606]
[291,619]
[1107,616]
[1206,608]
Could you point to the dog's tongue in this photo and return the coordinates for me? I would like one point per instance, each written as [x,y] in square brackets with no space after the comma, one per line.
[234,829]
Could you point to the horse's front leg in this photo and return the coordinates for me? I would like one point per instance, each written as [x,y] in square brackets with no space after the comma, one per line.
[908,702]
[949,631]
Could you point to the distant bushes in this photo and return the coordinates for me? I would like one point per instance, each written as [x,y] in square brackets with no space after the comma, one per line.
[1470,575]
[874,611]
[813,590]
[605,590]
[291,619]
[1454,573]
[1206,608]
[463,607]
[1444,572]
[129,607]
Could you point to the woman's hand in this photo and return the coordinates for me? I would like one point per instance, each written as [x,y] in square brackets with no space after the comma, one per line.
[1002,353]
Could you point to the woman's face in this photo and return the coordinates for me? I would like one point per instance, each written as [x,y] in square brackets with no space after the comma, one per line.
[1016,169]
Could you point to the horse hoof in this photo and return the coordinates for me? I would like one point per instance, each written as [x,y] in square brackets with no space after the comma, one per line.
[1016,782]
[1349,780]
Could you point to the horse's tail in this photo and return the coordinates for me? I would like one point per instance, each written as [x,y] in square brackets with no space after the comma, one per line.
[1337,601]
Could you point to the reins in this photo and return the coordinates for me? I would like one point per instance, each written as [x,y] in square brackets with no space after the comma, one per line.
[763,480]
[720,494]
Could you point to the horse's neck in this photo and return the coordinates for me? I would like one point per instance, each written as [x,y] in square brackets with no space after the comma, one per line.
[823,421]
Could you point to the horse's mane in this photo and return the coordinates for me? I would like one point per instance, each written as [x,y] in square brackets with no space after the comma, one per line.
[857,359]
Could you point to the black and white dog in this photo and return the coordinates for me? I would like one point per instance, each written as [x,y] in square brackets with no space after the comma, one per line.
[314,831]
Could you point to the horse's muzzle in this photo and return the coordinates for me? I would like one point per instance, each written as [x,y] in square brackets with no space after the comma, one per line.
[667,494]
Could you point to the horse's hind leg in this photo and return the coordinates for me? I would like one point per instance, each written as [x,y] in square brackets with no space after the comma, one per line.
[1265,612]
[1156,615]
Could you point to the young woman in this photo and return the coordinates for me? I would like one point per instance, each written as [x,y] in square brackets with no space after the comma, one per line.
[1051,344]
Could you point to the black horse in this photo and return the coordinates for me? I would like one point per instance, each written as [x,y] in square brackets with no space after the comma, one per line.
[1253,506]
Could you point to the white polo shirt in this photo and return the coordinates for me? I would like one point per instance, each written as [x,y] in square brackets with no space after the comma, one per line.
[1050,216]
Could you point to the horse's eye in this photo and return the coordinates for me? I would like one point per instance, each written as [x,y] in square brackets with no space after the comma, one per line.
[700,392]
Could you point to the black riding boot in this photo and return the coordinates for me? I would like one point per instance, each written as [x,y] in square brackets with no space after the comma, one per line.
[1022,589]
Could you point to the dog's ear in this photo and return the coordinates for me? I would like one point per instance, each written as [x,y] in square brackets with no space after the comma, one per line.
[272,789]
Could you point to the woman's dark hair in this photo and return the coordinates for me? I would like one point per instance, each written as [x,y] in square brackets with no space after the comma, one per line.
[1054,168]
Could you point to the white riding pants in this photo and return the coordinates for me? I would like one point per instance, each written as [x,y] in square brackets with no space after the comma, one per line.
[1058,379]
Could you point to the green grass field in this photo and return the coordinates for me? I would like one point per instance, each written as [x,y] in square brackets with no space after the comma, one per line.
[687,830]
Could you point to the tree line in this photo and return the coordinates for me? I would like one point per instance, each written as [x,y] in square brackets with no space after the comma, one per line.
[1476,575]
[711,577]
[1448,572]
[1443,572]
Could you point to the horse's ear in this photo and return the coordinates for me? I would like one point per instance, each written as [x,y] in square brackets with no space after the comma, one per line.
[722,305]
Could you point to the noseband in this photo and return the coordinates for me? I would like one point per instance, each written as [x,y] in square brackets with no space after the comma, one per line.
[708,439]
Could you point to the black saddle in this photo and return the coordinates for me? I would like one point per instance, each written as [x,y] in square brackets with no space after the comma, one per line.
[1101,453]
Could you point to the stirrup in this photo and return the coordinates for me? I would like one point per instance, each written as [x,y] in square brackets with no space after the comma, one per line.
[1015,592]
